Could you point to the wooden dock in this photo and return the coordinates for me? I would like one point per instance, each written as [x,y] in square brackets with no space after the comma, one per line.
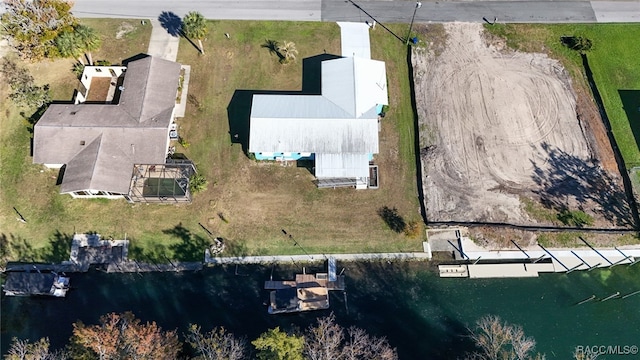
[277,285]
[307,292]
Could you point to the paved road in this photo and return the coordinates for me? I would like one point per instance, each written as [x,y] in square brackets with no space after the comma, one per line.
[539,11]
[300,10]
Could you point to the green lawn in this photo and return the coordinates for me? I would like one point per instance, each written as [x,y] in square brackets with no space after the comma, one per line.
[613,60]
[247,203]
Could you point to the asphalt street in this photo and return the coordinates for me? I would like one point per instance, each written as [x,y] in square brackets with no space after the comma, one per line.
[539,11]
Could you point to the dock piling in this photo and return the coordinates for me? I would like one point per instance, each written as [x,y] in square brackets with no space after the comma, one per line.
[587,300]
[614,295]
[575,268]
[621,261]
[631,294]
[594,266]
[346,305]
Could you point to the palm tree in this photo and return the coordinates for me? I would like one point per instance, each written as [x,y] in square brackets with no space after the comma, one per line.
[288,51]
[70,45]
[89,40]
[194,26]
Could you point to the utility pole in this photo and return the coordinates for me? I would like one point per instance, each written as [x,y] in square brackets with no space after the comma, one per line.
[418,6]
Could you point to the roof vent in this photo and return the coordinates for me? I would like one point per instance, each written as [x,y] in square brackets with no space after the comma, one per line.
[73,113]
[81,142]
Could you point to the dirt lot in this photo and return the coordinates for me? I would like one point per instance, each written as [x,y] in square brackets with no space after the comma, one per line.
[498,126]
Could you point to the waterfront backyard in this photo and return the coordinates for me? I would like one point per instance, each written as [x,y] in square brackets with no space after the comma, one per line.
[252,204]
[247,203]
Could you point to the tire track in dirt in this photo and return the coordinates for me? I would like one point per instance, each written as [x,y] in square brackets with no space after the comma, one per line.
[496,126]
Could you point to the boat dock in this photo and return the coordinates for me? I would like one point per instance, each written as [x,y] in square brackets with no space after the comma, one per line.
[36,283]
[307,292]
[474,261]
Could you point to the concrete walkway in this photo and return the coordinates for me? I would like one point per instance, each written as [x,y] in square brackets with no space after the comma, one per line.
[313,258]
[181,107]
[162,44]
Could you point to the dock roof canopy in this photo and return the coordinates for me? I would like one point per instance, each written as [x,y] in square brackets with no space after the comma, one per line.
[29,282]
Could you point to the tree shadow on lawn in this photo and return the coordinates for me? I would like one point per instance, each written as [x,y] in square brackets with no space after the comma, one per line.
[191,246]
[631,105]
[171,22]
[274,48]
[572,179]
[392,218]
[153,254]
[17,248]
[239,108]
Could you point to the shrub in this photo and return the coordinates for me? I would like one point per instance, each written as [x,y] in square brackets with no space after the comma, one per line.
[77,69]
[184,143]
[197,183]
[577,218]
[577,43]
[413,229]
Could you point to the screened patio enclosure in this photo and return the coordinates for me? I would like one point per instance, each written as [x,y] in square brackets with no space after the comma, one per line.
[162,183]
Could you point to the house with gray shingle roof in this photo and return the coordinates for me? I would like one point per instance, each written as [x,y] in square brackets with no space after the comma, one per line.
[106,149]
[338,128]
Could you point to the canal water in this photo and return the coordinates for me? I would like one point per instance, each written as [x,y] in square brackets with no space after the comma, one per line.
[424,316]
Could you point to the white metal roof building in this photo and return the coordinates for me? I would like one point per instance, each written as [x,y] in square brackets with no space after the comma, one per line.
[340,126]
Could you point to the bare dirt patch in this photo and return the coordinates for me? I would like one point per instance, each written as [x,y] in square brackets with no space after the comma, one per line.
[124,29]
[498,125]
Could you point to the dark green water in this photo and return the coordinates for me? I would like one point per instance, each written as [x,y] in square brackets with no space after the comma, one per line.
[424,316]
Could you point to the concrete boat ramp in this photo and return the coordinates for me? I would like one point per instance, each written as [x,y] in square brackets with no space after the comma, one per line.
[474,261]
